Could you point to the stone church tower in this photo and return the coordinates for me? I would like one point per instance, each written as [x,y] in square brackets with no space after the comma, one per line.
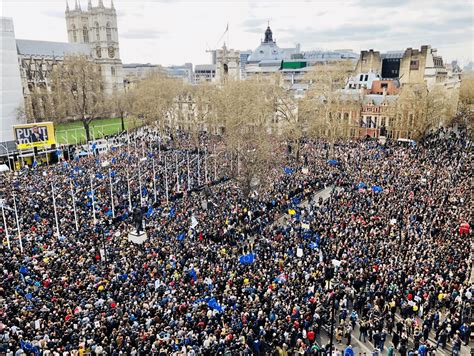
[227,65]
[97,26]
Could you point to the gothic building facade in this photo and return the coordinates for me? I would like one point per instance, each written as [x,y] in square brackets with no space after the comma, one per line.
[97,28]
[92,33]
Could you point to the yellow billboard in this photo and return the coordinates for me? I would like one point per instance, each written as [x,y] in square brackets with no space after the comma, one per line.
[40,134]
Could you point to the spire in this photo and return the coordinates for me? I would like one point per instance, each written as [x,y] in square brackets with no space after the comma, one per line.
[268,34]
[79,2]
[76,7]
[112,4]
[67,6]
[101,4]
[89,5]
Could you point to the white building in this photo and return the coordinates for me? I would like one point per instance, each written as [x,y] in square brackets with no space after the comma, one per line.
[362,81]
[11,94]
[204,73]
[267,57]
[134,72]
[184,72]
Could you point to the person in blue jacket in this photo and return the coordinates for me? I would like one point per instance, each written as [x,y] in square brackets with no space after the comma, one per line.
[348,351]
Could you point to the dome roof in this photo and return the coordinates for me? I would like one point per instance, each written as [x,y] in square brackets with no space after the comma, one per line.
[266,51]
[269,51]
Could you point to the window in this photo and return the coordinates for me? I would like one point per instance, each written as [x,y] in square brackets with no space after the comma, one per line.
[346,116]
[414,64]
[74,34]
[384,85]
[85,34]
[108,31]
[97,33]
[361,78]
[112,71]
[383,121]
[366,77]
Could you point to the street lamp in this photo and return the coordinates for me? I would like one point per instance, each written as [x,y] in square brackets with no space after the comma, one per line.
[335,264]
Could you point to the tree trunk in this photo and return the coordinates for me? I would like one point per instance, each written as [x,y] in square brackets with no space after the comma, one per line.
[86,125]
[123,122]
[298,143]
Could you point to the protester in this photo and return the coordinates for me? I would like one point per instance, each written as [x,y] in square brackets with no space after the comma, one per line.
[222,273]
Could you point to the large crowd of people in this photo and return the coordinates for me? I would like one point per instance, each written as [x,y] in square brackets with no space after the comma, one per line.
[380,261]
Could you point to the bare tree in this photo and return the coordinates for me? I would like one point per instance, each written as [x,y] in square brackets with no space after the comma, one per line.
[155,99]
[77,91]
[38,105]
[465,109]
[203,96]
[287,120]
[121,103]
[325,101]
[420,109]
[245,109]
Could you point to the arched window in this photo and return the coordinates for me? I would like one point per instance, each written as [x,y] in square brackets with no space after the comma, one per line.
[112,71]
[74,34]
[97,34]
[109,32]
[85,34]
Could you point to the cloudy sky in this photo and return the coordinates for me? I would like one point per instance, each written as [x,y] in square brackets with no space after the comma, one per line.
[175,31]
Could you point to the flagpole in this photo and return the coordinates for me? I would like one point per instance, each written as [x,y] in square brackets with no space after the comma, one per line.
[111,194]
[93,203]
[177,173]
[199,169]
[6,227]
[140,184]
[166,182]
[154,177]
[74,205]
[129,194]
[189,180]
[128,142]
[17,222]
[215,163]
[159,148]
[205,165]
[55,210]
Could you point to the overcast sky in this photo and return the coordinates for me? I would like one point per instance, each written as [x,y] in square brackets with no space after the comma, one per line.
[174,31]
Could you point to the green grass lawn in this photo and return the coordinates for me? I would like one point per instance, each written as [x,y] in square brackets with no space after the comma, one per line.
[72,132]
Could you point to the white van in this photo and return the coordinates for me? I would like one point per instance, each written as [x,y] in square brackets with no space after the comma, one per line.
[406,142]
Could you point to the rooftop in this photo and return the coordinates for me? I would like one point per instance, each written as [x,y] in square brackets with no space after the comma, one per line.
[50,49]
[198,67]
[139,65]
[392,54]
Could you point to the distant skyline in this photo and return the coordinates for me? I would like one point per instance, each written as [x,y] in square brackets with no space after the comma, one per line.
[174,31]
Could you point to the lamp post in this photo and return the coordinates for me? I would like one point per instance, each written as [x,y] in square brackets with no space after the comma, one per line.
[335,265]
